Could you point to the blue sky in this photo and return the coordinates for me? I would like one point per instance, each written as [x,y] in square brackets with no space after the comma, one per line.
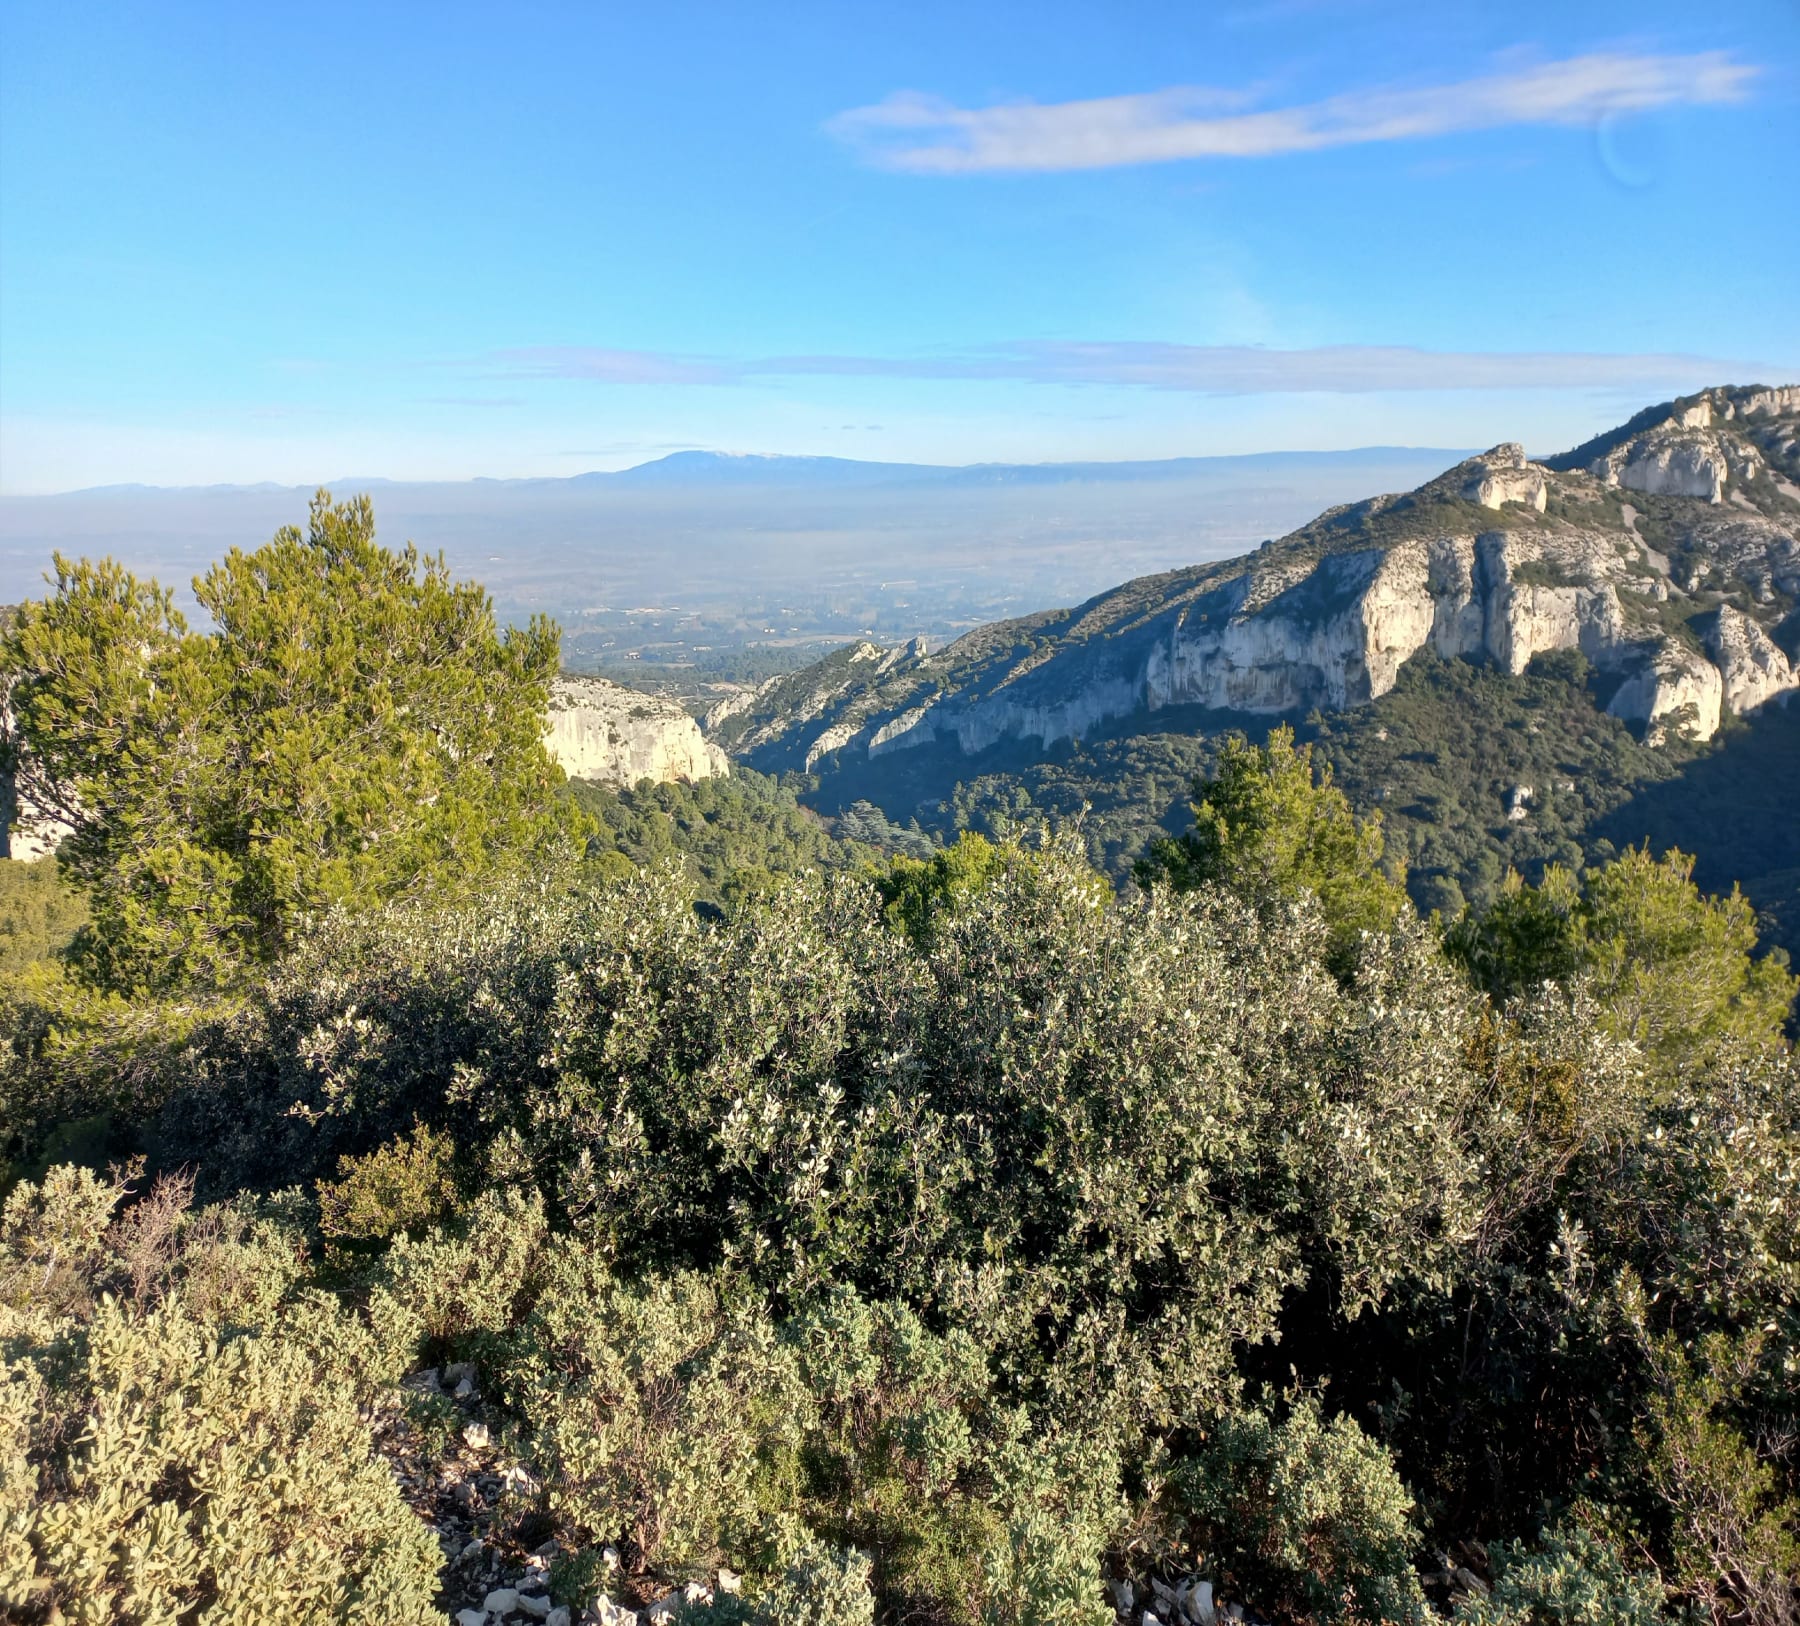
[302,243]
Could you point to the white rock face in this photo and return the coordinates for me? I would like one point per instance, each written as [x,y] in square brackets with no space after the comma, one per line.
[605,731]
[1676,687]
[1457,595]
[1503,475]
[1681,458]
[1752,668]
[1670,462]
[1773,403]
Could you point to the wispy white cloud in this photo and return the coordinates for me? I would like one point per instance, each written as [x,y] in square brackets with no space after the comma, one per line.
[926,135]
[1199,369]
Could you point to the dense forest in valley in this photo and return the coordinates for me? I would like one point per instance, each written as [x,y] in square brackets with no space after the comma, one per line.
[436,1190]
[1439,759]
[732,836]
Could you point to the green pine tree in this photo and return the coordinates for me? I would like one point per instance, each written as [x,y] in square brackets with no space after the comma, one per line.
[353,729]
[1267,826]
[1675,971]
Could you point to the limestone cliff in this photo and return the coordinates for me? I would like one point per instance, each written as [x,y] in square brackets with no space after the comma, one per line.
[1664,552]
[601,730]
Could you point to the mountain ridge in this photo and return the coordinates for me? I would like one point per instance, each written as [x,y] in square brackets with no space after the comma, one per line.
[713,468]
[1664,551]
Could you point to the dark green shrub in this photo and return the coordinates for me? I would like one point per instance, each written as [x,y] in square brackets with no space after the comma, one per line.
[1304,1512]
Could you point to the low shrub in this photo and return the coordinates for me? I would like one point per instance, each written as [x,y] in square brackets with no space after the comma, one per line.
[1304,1511]
[157,1460]
[1570,1578]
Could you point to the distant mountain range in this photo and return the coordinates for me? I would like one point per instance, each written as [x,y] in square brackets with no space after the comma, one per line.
[796,548]
[706,470]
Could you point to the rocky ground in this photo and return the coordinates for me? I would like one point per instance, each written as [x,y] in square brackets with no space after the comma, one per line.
[448,1460]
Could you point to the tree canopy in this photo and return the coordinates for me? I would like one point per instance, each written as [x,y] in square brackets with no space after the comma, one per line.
[1267,826]
[1674,971]
[353,726]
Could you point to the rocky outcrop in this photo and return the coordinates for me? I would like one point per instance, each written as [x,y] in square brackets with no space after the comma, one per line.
[1332,636]
[1752,668]
[1499,560]
[1674,689]
[1694,447]
[1675,463]
[1503,475]
[604,731]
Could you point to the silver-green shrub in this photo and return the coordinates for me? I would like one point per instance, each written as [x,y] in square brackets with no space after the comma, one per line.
[1571,1578]
[155,1458]
[1305,1510]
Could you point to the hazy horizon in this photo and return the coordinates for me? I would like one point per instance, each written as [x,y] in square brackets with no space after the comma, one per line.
[725,454]
[664,568]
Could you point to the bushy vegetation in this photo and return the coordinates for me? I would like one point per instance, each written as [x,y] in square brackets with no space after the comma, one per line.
[181,1428]
[1267,826]
[733,837]
[929,1240]
[984,1246]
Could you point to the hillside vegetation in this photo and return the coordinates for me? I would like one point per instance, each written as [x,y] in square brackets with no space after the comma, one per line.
[682,1215]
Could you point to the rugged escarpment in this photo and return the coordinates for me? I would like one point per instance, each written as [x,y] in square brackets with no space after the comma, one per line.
[604,731]
[1665,552]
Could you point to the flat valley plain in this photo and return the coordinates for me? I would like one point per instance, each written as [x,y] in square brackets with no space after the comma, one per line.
[699,559]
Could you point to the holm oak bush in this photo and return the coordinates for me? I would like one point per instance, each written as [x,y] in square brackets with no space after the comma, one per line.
[931,1268]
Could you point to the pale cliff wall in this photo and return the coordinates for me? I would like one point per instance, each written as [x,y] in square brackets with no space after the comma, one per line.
[605,731]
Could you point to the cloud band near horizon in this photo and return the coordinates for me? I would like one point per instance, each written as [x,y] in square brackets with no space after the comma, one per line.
[927,135]
[1200,369]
